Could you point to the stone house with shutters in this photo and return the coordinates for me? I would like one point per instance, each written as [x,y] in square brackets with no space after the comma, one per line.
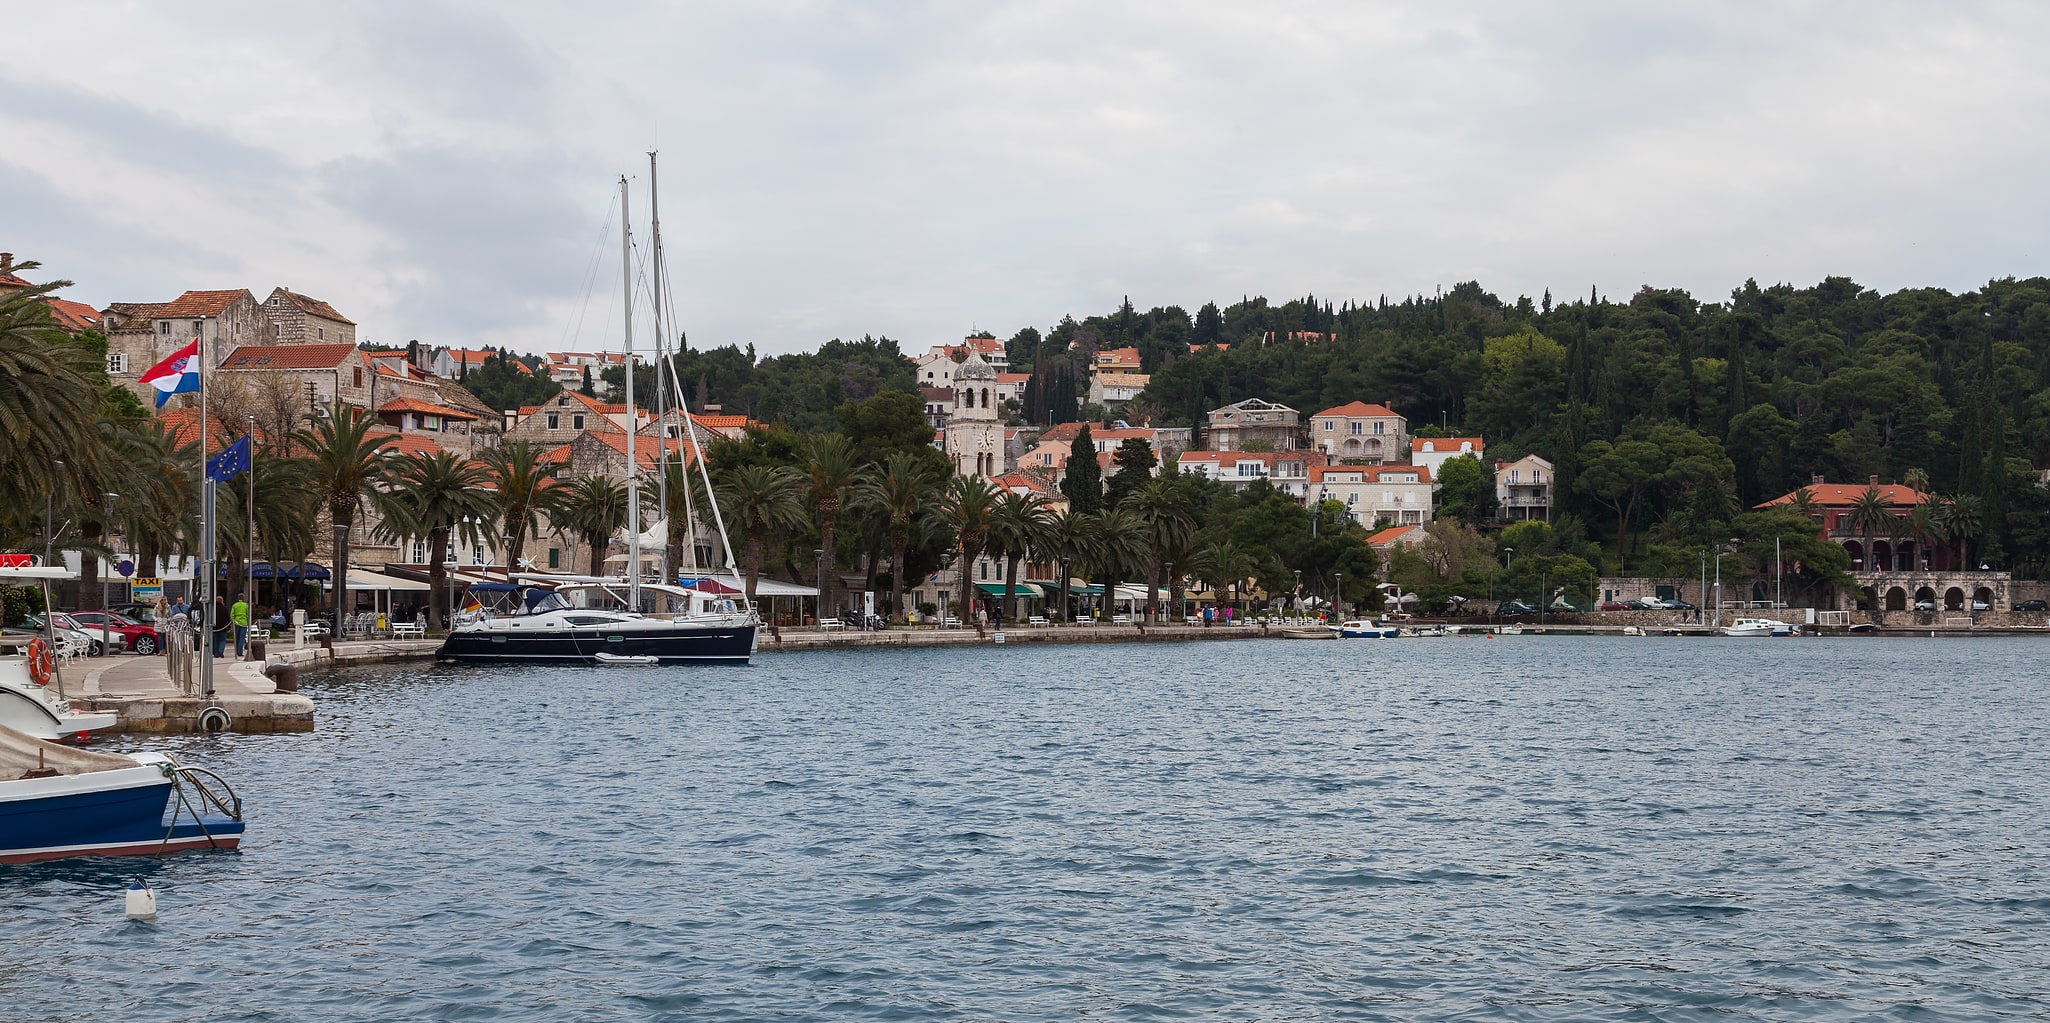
[1254,421]
[561,418]
[142,334]
[1376,496]
[1362,433]
[302,320]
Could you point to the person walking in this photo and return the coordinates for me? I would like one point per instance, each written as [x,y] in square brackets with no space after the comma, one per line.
[219,620]
[239,616]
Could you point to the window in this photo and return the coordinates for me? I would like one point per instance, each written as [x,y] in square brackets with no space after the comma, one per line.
[1329,426]
[419,552]
[198,326]
[430,422]
[554,557]
[163,326]
[117,363]
[1379,427]
[320,332]
[1358,428]
[1512,477]
[359,376]
[576,422]
[277,330]
[554,422]
[477,553]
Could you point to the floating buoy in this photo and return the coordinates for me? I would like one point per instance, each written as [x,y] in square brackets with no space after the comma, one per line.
[214,719]
[141,900]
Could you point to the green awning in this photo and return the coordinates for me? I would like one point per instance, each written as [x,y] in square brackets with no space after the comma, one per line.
[1024,590]
[1091,590]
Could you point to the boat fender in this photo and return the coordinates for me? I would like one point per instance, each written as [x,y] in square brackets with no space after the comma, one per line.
[140,900]
[40,661]
[214,719]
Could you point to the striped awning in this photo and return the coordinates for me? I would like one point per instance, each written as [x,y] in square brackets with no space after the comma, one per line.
[1024,590]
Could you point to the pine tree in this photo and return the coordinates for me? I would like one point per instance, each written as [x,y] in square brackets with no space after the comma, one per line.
[1082,484]
[587,390]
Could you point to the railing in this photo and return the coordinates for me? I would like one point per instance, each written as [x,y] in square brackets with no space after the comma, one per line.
[1525,502]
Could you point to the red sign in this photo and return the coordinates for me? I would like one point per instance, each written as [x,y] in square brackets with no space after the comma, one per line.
[17,560]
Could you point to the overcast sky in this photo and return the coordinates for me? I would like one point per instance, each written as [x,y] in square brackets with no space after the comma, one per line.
[446,171]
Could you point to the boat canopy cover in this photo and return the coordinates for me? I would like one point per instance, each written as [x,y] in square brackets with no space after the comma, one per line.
[21,752]
[496,587]
[706,586]
[541,601]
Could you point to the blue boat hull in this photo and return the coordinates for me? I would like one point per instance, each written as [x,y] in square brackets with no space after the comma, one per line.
[129,820]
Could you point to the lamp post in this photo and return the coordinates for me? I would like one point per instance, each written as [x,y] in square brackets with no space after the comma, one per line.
[1497,616]
[1338,594]
[819,601]
[107,512]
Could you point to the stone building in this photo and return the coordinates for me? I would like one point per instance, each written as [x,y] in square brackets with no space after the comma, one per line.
[1363,433]
[974,431]
[1263,424]
[302,320]
[142,334]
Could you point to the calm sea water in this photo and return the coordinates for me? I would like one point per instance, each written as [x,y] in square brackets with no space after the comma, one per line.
[1532,828]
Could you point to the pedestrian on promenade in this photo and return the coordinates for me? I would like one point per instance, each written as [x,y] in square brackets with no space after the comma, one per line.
[181,607]
[219,620]
[239,615]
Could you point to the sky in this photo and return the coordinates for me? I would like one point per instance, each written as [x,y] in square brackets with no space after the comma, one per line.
[448,171]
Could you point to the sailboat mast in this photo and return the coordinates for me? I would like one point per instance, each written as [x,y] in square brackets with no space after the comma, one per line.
[661,357]
[633,483]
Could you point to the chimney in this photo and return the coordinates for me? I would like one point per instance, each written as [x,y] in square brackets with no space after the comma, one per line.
[1872,481]
[713,410]
[1815,480]
[6,262]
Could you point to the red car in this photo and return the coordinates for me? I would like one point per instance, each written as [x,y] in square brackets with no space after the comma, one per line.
[136,636]
[1614,605]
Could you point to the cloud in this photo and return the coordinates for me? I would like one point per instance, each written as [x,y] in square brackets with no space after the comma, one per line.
[441,169]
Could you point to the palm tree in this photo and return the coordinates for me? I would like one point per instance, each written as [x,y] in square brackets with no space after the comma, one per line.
[49,399]
[760,501]
[1018,527]
[155,510]
[345,464]
[1119,545]
[1067,537]
[590,510]
[900,495]
[1869,515]
[828,475]
[433,496]
[1959,518]
[1924,528]
[524,489]
[1225,564]
[1163,507]
[969,504]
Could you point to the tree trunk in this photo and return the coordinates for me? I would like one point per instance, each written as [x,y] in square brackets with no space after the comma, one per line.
[598,546]
[437,580]
[897,591]
[1159,583]
[1011,588]
[829,522]
[89,598]
[344,518]
[754,566]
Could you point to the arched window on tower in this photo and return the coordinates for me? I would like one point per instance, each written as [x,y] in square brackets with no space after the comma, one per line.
[985,397]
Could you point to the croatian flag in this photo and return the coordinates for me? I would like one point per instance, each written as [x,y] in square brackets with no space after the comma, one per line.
[175,375]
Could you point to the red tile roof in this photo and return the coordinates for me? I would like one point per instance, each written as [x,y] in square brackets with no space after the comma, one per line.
[201,303]
[644,447]
[1370,473]
[1446,444]
[1845,495]
[1359,410]
[73,315]
[315,307]
[1390,535]
[403,404]
[405,443]
[183,423]
[288,356]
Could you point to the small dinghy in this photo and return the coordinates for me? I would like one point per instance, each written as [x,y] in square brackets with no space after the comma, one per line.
[626,660]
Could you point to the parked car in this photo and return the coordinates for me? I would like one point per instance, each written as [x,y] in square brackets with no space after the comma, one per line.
[1675,604]
[1925,605]
[145,614]
[1616,605]
[1980,605]
[93,646]
[2032,605]
[139,637]
[1516,607]
[1647,604]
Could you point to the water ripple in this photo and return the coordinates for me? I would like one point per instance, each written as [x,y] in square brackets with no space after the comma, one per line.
[1539,829]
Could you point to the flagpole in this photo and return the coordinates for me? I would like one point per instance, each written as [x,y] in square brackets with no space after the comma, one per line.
[249,552]
[206,528]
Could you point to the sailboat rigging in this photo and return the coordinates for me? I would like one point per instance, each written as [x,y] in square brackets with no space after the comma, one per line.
[608,620]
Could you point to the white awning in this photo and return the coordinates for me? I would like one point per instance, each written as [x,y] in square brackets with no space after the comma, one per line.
[361,580]
[767,587]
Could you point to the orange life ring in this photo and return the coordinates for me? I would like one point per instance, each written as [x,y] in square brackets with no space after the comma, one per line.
[40,661]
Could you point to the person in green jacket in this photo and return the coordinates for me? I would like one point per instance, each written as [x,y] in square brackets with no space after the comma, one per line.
[239,614]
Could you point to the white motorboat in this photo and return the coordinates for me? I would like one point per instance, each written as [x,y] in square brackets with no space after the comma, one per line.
[32,679]
[1366,628]
[1760,627]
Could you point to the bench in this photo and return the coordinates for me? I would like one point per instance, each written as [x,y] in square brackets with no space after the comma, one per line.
[1036,620]
[829,624]
[405,630]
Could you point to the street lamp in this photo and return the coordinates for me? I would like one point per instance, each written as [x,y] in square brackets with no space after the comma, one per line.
[819,602]
[107,500]
[1338,594]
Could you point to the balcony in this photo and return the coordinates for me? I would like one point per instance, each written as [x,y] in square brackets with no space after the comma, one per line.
[1515,501]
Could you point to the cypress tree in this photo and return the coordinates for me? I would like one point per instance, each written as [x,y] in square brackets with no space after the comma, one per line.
[1082,484]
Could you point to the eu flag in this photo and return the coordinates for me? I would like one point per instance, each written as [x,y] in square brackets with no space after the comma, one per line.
[230,463]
